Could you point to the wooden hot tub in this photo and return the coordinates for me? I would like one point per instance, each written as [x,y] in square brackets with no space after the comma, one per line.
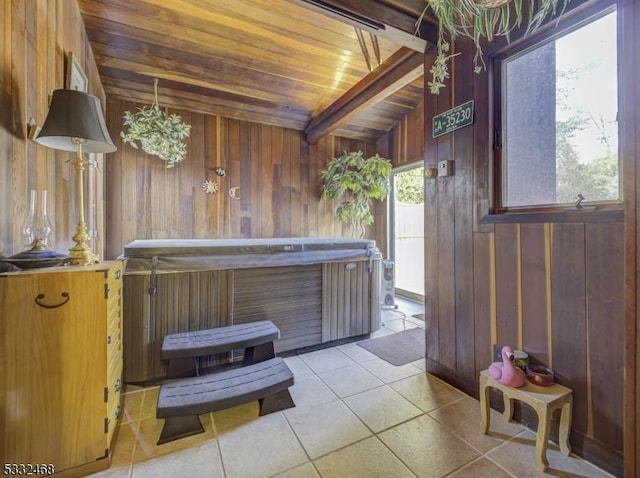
[315,290]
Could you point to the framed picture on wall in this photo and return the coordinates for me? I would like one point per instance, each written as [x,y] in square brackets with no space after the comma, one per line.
[76,78]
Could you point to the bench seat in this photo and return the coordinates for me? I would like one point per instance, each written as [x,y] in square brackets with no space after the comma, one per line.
[181,401]
[183,349]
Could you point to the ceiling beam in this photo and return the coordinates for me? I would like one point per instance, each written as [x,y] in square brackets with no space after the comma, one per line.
[378,19]
[400,69]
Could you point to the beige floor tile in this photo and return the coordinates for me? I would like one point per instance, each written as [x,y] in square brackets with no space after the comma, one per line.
[326,359]
[114,472]
[368,458]
[382,408]
[463,419]
[309,391]
[149,432]
[235,417]
[149,403]
[303,471]
[427,447]
[132,405]
[518,457]
[426,391]
[260,449]
[399,324]
[420,364]
[350,380]
[297,366]
[481,468]
[388,372]
[381,332]
[326,428]
[356,353]
[196,462]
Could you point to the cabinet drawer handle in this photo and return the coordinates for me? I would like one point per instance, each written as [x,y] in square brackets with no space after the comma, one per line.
[118,411]
[117,386]
[65,296]
[118,273]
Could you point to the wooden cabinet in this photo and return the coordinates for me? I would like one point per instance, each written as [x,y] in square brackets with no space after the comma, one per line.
[60,366]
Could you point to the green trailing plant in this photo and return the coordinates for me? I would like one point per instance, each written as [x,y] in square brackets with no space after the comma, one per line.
[159,133]
[481,20]
[355,181]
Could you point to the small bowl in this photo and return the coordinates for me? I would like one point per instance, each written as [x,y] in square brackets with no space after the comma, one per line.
[540,375]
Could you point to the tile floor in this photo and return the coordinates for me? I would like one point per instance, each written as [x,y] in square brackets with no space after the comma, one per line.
[355,416]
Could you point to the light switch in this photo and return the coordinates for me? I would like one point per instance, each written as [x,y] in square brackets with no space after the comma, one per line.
[445,168]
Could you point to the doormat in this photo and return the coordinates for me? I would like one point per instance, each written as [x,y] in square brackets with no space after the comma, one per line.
[400,348]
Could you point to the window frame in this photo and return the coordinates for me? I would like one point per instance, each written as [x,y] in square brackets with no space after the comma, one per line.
[597,211]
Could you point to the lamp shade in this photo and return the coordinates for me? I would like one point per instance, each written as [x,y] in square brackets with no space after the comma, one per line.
[75,115]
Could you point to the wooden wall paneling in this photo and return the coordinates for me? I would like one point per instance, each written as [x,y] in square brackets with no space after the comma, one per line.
[568,309]
[202,171]
[19,164]
[431,245]
[288,182]
[446,210]
[507,284]
[483,292]
[234,175]
[462,91]
[185,178]
[113,178]
[605,330]
[482,152]
[296,185]
[6,120]
[535,277]
[629,25]
[275,147]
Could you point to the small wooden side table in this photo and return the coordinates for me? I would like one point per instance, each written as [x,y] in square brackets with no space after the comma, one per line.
[544,400]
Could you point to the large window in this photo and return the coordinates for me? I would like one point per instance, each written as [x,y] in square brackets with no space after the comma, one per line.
[559,120]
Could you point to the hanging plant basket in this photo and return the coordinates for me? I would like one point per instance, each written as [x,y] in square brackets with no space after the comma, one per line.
[159,133]
[481,20]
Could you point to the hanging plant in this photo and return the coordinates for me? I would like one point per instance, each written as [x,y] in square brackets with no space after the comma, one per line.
[159,134]
[481,20]
[355,182]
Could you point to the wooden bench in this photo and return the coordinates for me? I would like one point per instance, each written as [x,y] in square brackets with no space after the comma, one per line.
[181,401]
[183,349]
[544,400]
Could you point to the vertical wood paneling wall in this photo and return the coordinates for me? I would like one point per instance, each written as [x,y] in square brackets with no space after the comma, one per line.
[35,36]
[554,290]
[277,171]
[629,22]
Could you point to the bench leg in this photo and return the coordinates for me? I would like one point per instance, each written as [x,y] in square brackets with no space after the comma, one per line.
[485,416]
[276,402]
[258,353]
[565,427]
[180,427]
[183,367]
[542,439]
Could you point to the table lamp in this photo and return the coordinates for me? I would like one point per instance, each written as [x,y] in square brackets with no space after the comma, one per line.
[75,123]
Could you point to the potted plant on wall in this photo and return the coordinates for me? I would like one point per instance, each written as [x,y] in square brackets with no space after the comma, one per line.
[482,20]
[355,181]
[159,133]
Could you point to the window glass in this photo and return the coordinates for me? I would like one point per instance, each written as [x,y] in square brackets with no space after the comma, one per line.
[559,110]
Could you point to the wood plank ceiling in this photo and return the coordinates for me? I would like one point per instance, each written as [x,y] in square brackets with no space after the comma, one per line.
[278,62]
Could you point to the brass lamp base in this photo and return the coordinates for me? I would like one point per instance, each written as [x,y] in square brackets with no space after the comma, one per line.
[81,254]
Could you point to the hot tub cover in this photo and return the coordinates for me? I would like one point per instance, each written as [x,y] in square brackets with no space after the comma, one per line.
[176,255]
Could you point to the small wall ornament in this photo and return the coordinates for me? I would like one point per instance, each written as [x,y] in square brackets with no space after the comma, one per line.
[210,187]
